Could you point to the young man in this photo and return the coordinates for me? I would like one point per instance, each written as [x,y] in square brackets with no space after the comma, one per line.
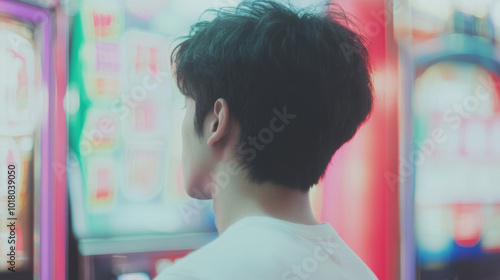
[271,94]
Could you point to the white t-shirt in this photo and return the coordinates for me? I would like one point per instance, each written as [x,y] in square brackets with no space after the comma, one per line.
[264,248]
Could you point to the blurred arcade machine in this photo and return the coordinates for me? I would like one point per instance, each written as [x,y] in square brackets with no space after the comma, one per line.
[129,211]
[450,164]
[32,194]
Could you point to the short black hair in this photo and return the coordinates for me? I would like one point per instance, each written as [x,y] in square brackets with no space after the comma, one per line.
[265,58]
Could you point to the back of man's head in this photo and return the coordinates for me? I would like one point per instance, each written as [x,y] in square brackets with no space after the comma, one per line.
[297,82]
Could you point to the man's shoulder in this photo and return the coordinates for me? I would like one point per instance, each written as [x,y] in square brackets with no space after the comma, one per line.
[258,251]
[223,257]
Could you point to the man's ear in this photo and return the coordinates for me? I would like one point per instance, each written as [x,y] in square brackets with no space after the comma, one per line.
[219,125]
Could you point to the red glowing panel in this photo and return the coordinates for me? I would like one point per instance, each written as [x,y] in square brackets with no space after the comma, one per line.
[147,58]
[105,184]
[101,181]
[154,65]
[467,225]
[145,55]
[164,261]
[102,24]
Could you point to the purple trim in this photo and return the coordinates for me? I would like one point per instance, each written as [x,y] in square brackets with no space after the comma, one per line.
[407,188]
[46,258]
[19,9]
[42,18]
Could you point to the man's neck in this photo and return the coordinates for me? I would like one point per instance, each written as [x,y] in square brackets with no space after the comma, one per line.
[239,199]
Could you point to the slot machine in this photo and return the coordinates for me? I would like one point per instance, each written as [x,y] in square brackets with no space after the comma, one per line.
[31,190]
[450,169]
[129,212]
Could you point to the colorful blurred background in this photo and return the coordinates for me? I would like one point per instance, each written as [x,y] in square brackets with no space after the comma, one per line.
[90,117]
